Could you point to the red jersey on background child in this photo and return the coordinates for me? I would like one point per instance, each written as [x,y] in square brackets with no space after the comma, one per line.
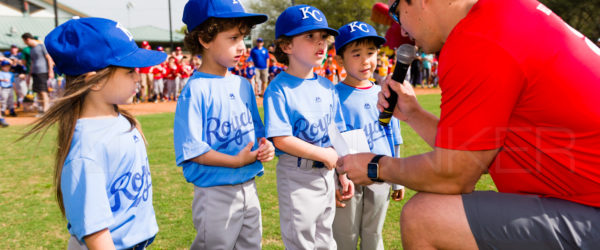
[186,70]
[159,71]
[172,71]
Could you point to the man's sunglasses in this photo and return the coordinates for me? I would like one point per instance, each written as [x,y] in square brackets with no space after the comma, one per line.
[393,13]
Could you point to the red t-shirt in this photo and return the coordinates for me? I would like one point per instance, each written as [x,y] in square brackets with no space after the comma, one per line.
[159,72]
[186,70]
[172,71]
[514,76]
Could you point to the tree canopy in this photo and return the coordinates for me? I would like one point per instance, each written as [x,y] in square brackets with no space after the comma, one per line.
[583,15]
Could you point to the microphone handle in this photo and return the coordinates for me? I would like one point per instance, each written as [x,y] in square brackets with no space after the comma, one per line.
[398,76]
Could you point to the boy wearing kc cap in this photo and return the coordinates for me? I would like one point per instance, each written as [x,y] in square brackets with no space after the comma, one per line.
[299,107]
[218,134]
[364,214]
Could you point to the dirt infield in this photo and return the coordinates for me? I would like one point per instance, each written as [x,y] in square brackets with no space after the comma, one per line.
[24,118]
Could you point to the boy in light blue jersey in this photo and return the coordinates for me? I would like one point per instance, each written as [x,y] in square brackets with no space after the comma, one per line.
[299,107]
[218,134]
[364,214]
[7,80]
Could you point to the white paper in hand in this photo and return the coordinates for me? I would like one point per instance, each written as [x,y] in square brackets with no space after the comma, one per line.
[349,142]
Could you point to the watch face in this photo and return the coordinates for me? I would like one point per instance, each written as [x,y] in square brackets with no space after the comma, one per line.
[372,170]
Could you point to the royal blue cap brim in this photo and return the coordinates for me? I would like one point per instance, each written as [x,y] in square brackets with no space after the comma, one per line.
[141,58]
[306,28]
[378,42]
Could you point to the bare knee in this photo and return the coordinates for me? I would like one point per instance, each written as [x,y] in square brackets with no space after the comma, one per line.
[412,222]
[429,221]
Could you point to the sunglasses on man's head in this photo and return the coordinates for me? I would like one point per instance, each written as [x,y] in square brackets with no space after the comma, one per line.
[393,13]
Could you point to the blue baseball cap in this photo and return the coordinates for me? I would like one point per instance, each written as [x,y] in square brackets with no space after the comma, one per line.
[4,63]
[299,19]
[356,30]
[83,45]
[196,12]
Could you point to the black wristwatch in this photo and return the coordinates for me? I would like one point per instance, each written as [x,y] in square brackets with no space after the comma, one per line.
[373,169]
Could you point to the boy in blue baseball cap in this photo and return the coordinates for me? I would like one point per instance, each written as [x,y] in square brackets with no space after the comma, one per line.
[218,133]
[102,176]
[299,107]
[364,214]
[6,91]
[7,85]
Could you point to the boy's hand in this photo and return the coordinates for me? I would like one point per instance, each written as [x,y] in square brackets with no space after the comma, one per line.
[345,193]
[331,157]
[246,156]
[266,150]
[398,195]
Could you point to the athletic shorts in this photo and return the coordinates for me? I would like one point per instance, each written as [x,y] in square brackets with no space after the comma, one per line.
[40,82]
[514,221]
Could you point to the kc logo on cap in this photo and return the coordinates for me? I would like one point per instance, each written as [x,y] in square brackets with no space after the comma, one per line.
[127,33]
[348,34]
[358,25]
[314,13]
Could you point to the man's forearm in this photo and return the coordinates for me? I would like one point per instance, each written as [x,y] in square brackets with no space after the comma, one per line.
[439,171]
[425,124]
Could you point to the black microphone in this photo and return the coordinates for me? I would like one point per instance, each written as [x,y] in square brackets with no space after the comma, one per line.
[405,54]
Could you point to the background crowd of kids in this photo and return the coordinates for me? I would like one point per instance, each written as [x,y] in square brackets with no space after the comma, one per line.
[423,70]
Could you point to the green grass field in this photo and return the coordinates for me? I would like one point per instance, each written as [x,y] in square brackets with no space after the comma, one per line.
[30,218]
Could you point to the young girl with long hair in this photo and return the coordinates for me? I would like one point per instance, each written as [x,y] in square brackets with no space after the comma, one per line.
[102,177]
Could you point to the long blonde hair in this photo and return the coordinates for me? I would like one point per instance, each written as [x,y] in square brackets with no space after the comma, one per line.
[66,111]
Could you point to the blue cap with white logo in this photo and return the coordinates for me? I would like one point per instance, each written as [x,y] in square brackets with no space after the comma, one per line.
[356,30]
[196,12]
[83,45]
[299,19]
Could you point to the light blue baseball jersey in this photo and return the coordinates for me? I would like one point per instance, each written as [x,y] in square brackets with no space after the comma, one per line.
[303,108]
[106,182]
[218,113]
[359,107]
[7,78]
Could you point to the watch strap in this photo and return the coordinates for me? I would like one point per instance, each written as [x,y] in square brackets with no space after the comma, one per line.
[375,162]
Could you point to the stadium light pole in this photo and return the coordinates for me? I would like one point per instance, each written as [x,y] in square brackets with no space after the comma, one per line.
[170,27]
[55,14]
[129,7]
